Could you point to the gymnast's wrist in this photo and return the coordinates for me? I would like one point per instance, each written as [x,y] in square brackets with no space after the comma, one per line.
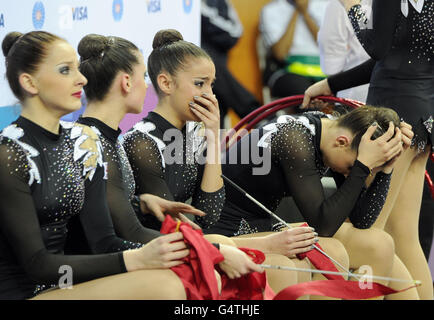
[362,165]
[132,260]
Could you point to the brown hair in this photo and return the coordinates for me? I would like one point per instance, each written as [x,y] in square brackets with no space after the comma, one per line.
[360,119]
[24,53]
[101,58]
[170,53]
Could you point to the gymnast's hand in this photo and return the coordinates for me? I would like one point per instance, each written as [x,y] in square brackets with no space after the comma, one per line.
[159,207]
[164,252]
[375,153]
[406,137]
[236,262]
[407,134]
[206,108]
[320,88]
[291,241]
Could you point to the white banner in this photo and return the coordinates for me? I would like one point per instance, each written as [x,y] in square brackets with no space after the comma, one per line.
[135,20]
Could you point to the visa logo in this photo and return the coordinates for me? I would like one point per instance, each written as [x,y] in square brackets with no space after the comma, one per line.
[2,20]
[79,13]
[154,5]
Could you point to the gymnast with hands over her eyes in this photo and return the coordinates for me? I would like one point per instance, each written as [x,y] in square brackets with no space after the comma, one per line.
[301,149]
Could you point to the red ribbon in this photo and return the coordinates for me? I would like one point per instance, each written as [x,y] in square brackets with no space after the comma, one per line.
[336,286]
[320,261]
[197,273]
[198,278]
[343,289]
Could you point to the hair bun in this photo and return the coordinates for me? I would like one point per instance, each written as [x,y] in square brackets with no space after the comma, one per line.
[9,41]
[166,37]
[92,45]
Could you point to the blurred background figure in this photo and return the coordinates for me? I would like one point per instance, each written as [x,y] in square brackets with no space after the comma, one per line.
[289,31]
[221,29]
[339,47]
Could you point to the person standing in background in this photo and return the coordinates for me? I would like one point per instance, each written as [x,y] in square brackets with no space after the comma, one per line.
[289,31]
[401,75]
[221,30]
[340,50]
[339,47]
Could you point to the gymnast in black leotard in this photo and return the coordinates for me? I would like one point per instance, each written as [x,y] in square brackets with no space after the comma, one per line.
[164,149]
[297,163]
[123,91]
[399,37]
[295,154]
[51,172]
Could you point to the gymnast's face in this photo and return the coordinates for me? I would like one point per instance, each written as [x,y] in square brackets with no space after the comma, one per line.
[57,82]
[340,157]
[196,78]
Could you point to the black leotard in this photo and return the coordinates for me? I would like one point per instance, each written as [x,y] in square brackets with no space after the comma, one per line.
[401,71]
[296,170]
[45,180]
[165,162]
[120,185]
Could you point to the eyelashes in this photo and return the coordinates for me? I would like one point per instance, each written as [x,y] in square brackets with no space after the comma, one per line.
[64,70]
[200,84]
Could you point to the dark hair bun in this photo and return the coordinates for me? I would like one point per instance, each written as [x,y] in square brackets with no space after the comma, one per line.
[9,41]
[92,45]
[166,37]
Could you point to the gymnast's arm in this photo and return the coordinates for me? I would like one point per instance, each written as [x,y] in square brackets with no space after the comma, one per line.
[122,212]
[147,165]
[20,226]
[293,149]
[370,202]
[375,33]
[96,220]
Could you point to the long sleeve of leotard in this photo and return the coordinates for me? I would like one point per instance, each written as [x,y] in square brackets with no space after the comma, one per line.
[294,151]
[370,202]
[209,202]
[149,173]
[123,215]
[20,226]
[147,164]
[375,32]
[353,77]
[96,220]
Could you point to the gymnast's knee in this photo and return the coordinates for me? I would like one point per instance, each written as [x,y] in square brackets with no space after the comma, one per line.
[378,245]
[336,249]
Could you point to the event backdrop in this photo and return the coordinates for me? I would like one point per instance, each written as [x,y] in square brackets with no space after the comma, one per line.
[135,20]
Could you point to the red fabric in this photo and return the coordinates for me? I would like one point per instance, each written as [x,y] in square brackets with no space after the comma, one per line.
[198,278]
[343,289]
[335,287]
[253,286]
[197,273]
[320,261]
